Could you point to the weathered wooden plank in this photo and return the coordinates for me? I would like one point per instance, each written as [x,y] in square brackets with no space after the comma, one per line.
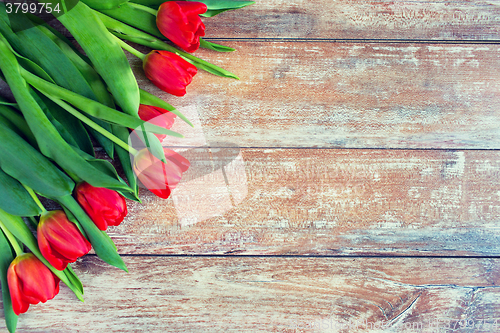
[193,294]
[347,95]
[361,19]
[323,201]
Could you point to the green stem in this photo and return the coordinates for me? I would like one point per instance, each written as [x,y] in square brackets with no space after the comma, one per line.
[75,178]
[143,8]
[129,48]
[35,198]
[92,124]
[33,221]
[12,239]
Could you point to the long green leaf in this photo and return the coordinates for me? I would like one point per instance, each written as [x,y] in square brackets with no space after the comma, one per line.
[14,198]
[95,83]
[6,258]
[104,4]
[17,120]
[216,47]
[20,230]
[124,157]
[101,244]
[38,47]
[72,125]
[62,130]
[134,35]
[150,99]
[24,163]
[94,108]
[109,169]
[70,273]
[49,141]
[135,17]
[212,5]
[106,55]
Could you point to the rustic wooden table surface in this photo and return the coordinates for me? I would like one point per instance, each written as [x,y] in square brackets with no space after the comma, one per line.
[349,182]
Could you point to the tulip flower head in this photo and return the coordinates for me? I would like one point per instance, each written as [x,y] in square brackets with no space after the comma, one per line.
[168,71]
[59,239]
[156,176]
[104,206]
[180,22]
[30,282]
[157,116]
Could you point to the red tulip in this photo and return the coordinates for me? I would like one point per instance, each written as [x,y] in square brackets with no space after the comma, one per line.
[156,176]
[157,116]
[104,206]
[30,282]
[168,71]
[179,22]
[59,239]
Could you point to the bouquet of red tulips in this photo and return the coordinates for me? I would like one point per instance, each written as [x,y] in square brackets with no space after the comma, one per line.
[64,104]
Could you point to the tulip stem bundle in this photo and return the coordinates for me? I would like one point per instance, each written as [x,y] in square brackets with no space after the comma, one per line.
[65,103]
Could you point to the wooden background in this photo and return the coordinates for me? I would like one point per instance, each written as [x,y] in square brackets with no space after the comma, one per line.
[349,182]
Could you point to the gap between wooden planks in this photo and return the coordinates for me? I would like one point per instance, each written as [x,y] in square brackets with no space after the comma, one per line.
[372,95]
[427,20]
[345,95]
[199,294]
[323,201]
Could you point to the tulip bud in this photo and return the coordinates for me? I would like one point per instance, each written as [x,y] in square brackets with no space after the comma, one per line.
[59,239]
[156,176]
[104,206]
[157,116]
[169,72]
[30,282]
[179,22]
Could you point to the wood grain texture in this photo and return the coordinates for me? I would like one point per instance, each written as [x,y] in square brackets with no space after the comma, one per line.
[361,19]
[319,201]
[244,294]
[425,90]
[366,95]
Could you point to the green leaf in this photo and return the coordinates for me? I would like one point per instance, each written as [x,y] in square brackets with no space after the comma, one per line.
[150,99]
[108,168]
[224,4]
[24,163]
[63,132]
[14,198]
[212,12]
[102,245]
[212,5]
[106,55]
[71,125]
[124,31]
[38,47]
[95,83]
[20,230]
[73,219]
[49,141]
[216,47]
[94,108]
[18,121]
[124,157]
[6,258]
[104,4]
[71,275]
[135,17]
